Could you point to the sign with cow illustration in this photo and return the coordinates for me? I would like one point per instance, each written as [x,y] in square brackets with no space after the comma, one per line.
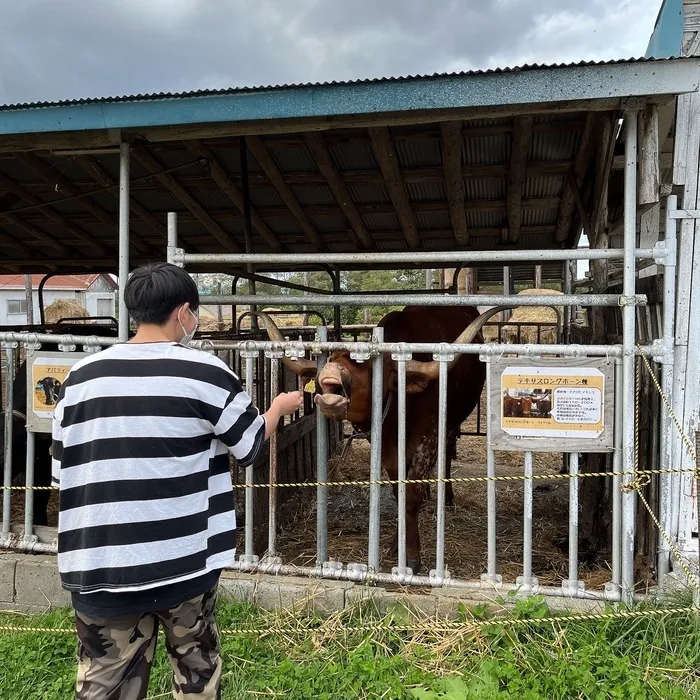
[551,405]
[46,372]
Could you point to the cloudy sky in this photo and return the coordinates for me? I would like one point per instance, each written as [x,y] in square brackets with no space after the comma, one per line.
[60,49]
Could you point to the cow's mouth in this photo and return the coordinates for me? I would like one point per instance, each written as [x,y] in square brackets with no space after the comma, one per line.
[333,406]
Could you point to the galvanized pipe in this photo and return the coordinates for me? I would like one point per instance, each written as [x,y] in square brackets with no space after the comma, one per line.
[29,483]
[124,167]
[321,468]
[375,473]
[401,456]
[573,520]
[453,256]
[55,338]
[357,574]
[9,408]
[617,481]
[272,502]
[628,341]
[527,523]
[250,471]
[172,236]
[442,468]
[490,489]
[614,300]
[667,367]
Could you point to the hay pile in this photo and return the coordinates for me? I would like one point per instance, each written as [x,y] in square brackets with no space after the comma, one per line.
[64,308]
[534,314]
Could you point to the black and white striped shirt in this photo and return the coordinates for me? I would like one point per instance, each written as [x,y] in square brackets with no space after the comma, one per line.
[141,439]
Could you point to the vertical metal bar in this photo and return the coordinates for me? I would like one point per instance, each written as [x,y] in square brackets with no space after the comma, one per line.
[490,485]
[321,468]
[616,481]
[401,454]
[250,471]
[29,299]
[442,468]
[124,177]
[428,279]
[272,502]
[567,309]
[375,473]
[9,408]
[527,581]
[667,367]
[628,343]
[336,309]
[573,583]
[29,493]
[172,235]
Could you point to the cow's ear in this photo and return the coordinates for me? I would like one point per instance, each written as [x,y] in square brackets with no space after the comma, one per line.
[415,381]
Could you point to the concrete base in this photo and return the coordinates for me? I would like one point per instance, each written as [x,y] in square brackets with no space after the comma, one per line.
[31,583]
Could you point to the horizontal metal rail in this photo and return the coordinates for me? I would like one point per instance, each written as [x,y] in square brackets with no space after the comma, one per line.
[487,349]
[55,338]
[438,256]
[431,300]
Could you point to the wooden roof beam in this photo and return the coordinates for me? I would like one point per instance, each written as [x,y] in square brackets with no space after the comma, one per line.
[9,184]
[225,183]
[567,207]
[388,162]
[454,182]
[149,162]
[516,177]
[316,144]
[263,158]
[97,172]
[55,179]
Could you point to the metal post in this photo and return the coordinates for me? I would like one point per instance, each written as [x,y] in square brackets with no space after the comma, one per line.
[616,582]
[527,581]
[337,325]
[249,556]
[247,225]
[667,427]
[573,585]
[9,408]
[401,357]
[428,279]
[628,359]
[442,465]
[29,493]
[29,299]
[172,235]
[567,309]
[375,473]
[491,576]
[124,163]
[321,469]
[272,496]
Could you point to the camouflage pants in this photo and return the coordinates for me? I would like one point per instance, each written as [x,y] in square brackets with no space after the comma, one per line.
[115,655]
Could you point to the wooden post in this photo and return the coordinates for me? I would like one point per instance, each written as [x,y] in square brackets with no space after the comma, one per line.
[507,289]
[219,312]
[538,276]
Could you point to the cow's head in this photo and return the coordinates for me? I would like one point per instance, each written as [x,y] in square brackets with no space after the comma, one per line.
[344,385]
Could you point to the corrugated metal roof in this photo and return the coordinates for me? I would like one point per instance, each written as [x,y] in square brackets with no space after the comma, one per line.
[364,81]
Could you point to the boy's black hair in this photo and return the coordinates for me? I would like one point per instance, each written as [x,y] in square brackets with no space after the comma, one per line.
[154,291]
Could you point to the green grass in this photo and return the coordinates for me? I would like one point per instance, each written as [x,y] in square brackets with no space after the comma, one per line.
[646,657]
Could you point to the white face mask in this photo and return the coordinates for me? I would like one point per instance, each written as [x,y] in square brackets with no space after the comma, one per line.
[187,337]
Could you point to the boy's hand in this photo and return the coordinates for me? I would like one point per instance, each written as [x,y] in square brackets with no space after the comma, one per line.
[290,402]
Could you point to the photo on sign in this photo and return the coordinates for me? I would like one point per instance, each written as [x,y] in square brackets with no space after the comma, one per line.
[46,391]
[522,403]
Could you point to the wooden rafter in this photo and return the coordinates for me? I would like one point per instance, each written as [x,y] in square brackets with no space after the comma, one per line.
[263,158]
[567,206]
[97,172]
[226,185]
[432,207]
[322,156]
[454,182]
[516,177]
[388,162]
[9,184]
[150,163]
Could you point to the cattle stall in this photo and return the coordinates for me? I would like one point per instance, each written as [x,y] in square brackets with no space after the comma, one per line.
[496,173]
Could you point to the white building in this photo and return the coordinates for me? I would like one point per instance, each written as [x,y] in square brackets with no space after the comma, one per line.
[96,293]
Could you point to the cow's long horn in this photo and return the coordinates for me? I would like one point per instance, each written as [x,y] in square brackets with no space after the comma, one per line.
[302,367]
[431,369]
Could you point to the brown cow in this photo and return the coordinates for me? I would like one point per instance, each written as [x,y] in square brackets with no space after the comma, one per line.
[345,389]
[512,408]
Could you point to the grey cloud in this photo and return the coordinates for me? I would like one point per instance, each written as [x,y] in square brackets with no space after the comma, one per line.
[76,48]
